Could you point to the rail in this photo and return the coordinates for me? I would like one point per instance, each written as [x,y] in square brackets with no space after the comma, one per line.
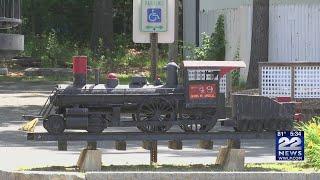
[139,136]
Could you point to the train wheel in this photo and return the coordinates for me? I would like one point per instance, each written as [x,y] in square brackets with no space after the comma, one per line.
[55,124]
[198,127]
[97,123]
[156,109]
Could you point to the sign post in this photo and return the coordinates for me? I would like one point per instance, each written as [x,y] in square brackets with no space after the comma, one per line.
[154,20]
[154,55]
[152,25]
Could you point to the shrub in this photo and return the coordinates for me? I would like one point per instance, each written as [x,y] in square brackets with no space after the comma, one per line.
[213,46]
[312,141]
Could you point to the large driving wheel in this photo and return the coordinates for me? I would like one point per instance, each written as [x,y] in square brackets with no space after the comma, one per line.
[55,124]
[155,109]
[198,127]
[97,123]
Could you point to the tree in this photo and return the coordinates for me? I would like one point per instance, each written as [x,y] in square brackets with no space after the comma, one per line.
[102,24]
[259,42]
[173,48]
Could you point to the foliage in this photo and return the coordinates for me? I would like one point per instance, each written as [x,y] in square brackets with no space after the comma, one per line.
[280,167]
[312,141]
[213,46]
[48,49]
[70,19]
[127,58]
[235,75]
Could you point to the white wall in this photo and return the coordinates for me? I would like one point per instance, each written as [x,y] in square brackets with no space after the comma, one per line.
[222,4]
[294,33]
[225,4]
[238,23]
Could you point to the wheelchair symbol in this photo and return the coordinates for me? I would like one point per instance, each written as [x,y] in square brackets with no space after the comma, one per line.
[154,15]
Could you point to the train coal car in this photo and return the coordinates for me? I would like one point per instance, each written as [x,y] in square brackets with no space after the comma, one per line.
[259,113]
[194,103]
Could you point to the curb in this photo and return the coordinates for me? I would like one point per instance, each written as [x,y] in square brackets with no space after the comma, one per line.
[202,175]
[157,175]
[20,175]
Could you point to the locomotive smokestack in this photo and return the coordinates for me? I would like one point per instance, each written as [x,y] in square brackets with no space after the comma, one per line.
[172,75]
[79,71]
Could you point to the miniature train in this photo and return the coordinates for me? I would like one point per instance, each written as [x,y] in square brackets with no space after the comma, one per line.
[195,104]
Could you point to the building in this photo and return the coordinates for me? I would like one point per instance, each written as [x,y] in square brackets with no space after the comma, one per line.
[293,32]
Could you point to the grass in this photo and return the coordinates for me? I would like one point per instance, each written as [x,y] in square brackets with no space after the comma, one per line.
[281,167]
[268,167]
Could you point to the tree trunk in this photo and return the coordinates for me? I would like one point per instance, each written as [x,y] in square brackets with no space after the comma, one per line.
[259,42]
[102,24]
[173,48]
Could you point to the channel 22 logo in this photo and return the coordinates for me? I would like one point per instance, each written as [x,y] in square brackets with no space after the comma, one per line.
[290,146]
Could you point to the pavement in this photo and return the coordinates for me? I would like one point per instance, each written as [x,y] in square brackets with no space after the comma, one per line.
[17,99]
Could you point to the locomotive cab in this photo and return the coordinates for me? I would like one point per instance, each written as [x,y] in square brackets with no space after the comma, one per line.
[201,81]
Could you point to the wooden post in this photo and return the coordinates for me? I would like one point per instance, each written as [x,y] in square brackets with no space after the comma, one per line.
[62,146]
[175,145]
[92,145]
[292,82]
[231,157]
[146,145]
[154,152]
[154,55]
[233,143]
[206,144]
[121,145]
[90,159]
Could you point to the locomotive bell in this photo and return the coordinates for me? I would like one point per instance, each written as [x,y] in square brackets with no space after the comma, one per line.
[172,75]
[112,80]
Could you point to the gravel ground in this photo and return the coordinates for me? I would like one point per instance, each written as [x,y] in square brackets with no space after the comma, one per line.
[17,99]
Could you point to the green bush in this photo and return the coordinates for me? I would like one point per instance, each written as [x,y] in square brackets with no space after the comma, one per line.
[55,53]
[213,46]
[48,49]
[312,141]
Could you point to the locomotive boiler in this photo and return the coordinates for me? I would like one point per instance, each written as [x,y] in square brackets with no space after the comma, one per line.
[189,98]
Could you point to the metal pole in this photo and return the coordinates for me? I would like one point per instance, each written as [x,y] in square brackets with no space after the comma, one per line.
[154,55]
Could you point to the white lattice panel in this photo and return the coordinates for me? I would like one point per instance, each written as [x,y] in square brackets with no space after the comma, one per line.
[276,81]
[223,84]
[307,82]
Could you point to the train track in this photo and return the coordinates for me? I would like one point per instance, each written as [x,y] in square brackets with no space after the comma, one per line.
[137,136]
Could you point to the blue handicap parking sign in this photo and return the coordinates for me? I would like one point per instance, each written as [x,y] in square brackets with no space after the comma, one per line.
[154,15]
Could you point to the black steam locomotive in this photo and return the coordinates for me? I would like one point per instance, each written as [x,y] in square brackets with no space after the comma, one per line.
[195,104]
